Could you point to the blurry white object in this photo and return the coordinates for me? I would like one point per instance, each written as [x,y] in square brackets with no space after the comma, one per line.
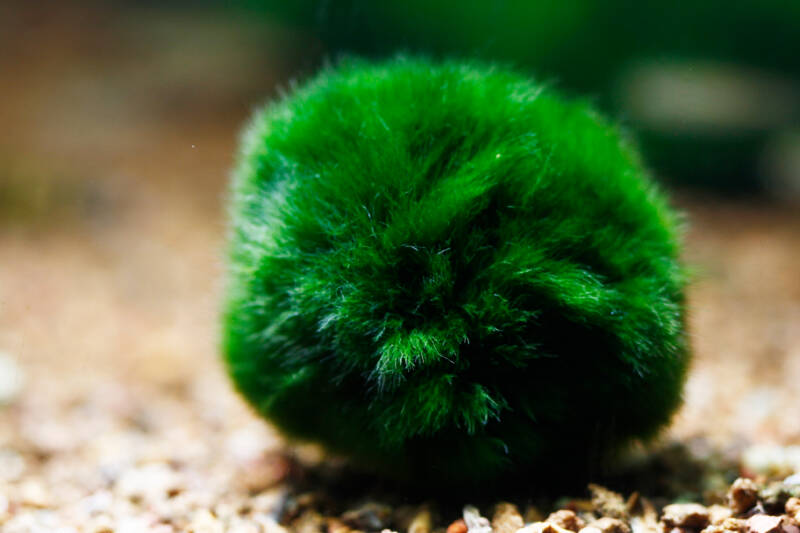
[772,460]
[11,378]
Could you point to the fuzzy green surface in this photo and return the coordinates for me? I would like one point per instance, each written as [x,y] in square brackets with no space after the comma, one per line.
[445,270]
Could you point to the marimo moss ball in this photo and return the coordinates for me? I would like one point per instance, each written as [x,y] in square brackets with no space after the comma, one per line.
[446,271]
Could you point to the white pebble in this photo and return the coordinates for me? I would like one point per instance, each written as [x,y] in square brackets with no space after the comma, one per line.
[475,522]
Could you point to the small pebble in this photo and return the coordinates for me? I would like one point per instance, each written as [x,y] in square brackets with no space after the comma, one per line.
[762,523]
[309,522]
[459,526]
[685,515]
[729,525]
[506,518]
[793,507]
[743,495]
[775,495]
[608,503]
[475,522]
[567,519]
[719,513]
[422,522]
[608,524]
[644,524]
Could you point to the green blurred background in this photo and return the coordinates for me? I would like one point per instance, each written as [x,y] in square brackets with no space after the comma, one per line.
[710,88]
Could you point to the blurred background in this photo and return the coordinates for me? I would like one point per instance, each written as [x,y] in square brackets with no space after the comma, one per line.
[118,127]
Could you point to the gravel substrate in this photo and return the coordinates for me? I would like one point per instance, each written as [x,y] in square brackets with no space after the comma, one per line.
[186,456]
[250,483]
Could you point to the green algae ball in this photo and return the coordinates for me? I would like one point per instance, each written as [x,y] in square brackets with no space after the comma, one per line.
[448,272]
